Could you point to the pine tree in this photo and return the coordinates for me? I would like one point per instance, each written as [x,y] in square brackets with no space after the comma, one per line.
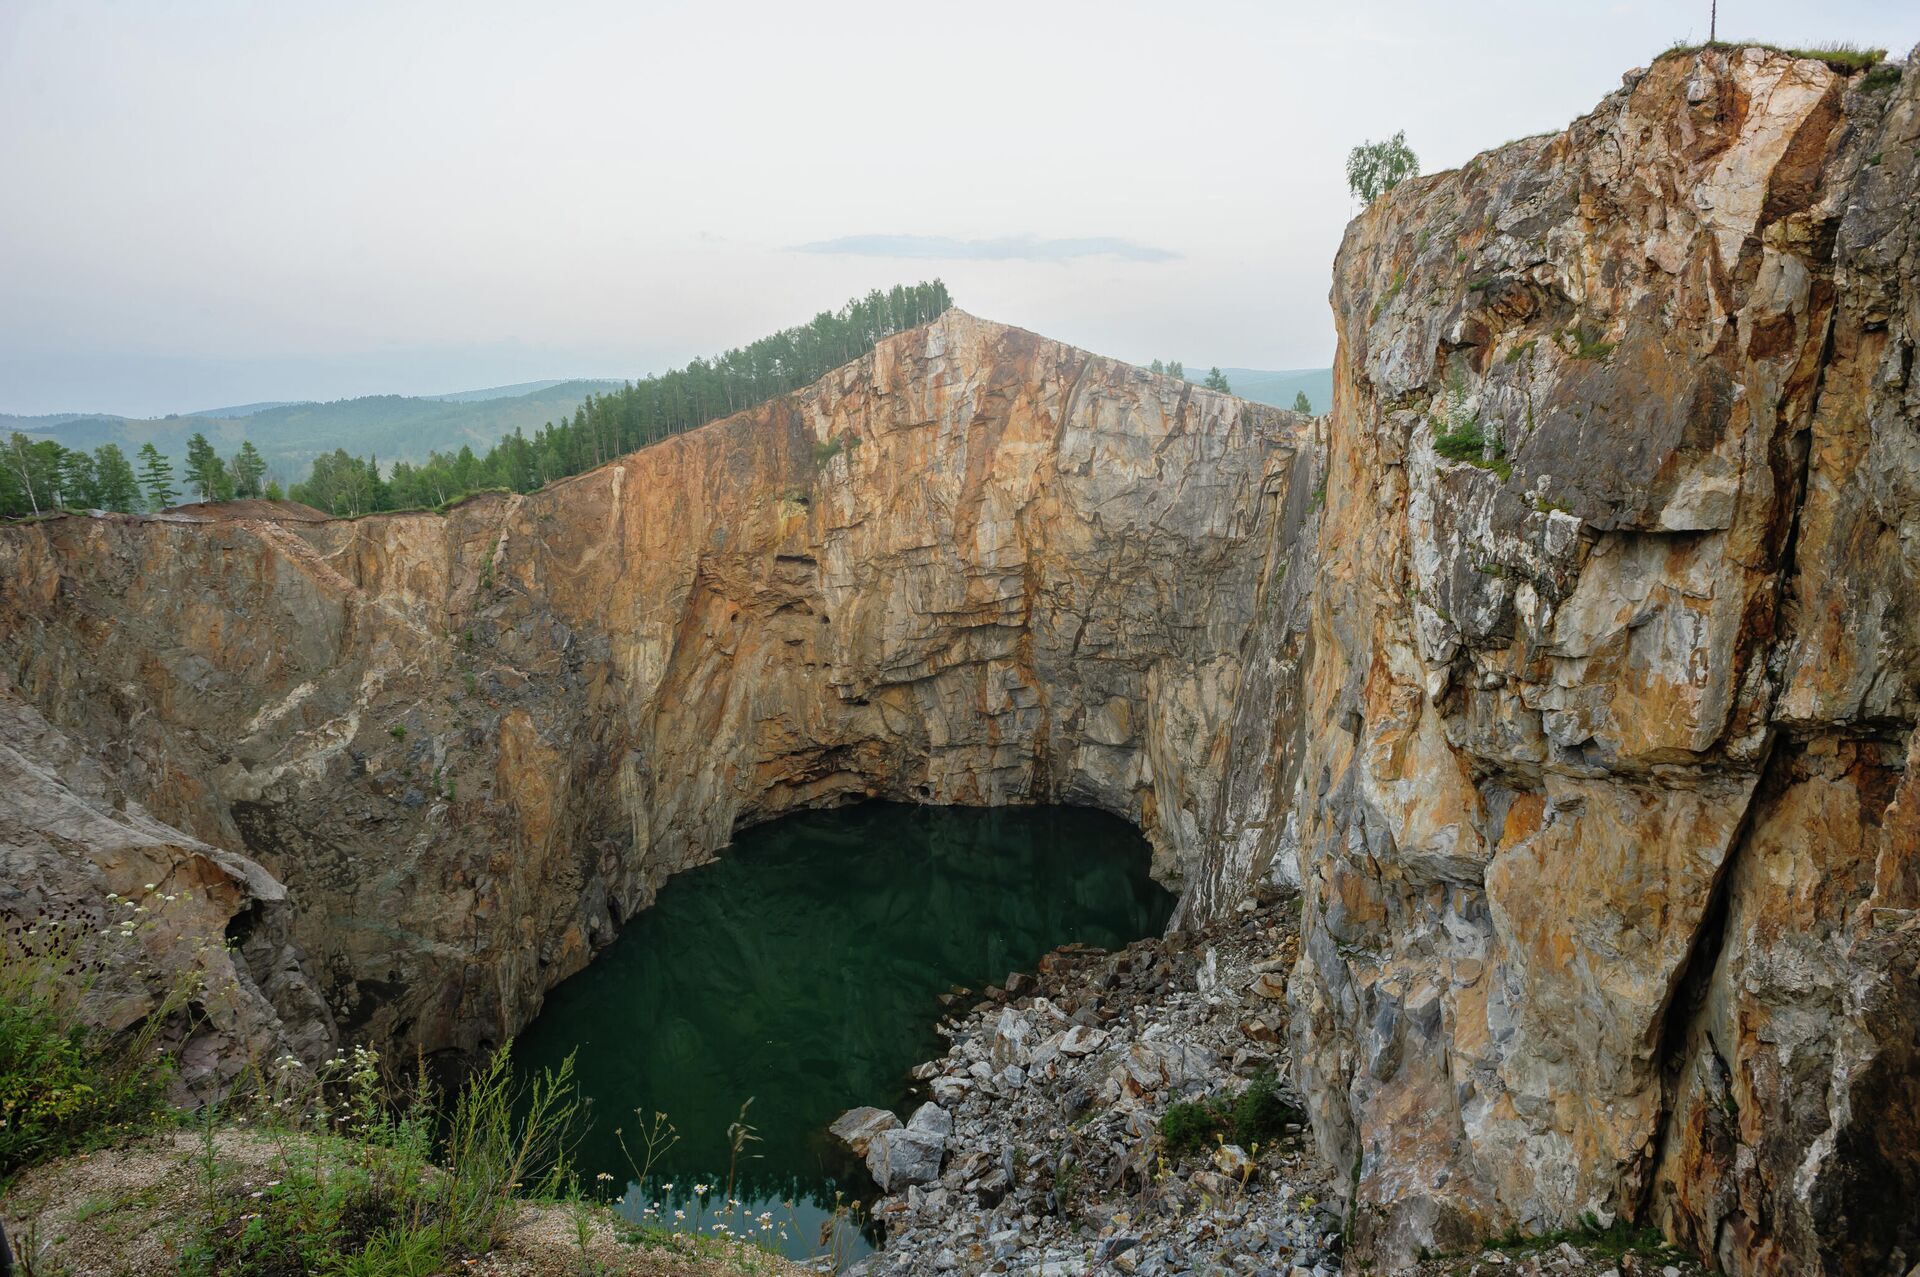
[1176,369]
[637,414]
[77,480]
[1303,405]
[1217,380]
[248,469]
[114,485]
[1157,366]
[204,471]
[156,476]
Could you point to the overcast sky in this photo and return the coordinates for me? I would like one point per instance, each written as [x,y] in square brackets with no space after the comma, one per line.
[212,203]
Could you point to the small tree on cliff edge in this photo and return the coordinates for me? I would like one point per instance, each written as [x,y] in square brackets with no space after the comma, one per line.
[1374,168]
[1302,405]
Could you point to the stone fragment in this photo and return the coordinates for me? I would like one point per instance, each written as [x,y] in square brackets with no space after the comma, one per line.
[931,1119]
[1232,1160]
[1012,1040]
[857,1126]
[903,1156]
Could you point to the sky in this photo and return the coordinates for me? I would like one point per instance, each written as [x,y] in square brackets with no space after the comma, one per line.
[210,203]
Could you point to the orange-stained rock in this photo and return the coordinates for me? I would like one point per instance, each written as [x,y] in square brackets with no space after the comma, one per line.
[1607,908]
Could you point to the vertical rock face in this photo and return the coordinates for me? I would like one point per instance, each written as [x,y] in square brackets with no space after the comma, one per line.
[1606,816]
[975,567]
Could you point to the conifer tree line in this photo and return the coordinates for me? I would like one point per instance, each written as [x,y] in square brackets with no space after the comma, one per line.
[39,476]
[1215,380]
[642,412]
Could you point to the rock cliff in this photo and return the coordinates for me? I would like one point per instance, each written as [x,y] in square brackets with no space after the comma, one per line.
[1607,814]
[1570,668]
[974,567]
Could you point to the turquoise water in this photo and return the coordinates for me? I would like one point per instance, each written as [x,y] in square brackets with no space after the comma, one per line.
[800,972]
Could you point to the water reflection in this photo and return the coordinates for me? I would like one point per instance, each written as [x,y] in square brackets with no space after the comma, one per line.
[800,972]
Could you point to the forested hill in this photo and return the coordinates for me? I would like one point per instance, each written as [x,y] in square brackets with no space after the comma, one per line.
[639,413]
[291,435]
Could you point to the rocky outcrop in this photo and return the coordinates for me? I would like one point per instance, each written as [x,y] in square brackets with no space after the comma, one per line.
[155,921]
[1605,822]
[1570,668]
[974,567]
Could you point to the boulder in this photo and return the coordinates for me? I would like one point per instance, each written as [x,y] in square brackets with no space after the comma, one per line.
[932,1120]
[903,1156]
[1012,1040]
[1081,1040]
[857,1126]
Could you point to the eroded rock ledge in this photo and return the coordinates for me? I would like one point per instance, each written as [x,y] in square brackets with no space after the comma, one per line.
[1571,667]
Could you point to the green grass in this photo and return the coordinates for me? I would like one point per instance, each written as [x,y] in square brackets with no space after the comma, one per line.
[1581,344]
[1606,1242]
[1883,77]
[354,1188]
[1385,299]
[1842,56]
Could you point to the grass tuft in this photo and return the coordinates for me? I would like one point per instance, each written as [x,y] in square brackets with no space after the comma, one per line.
[1842,56]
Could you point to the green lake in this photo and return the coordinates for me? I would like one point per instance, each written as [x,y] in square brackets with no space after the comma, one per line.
[801,971]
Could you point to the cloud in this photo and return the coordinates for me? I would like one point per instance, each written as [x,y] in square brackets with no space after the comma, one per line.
[997,249]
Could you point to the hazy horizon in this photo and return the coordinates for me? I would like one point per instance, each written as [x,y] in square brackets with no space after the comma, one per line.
[231,203]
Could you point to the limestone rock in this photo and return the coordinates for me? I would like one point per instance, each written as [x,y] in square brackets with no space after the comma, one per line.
[931,1119]
[1608,898]
[905,1156]
[74,847]
[857,1127]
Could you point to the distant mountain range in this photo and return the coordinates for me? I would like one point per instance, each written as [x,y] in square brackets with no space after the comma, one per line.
[290,434]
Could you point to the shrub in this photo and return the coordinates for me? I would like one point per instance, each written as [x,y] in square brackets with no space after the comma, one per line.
[1460,438]
[1463,442]
[1257,1115]
[64,1084]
